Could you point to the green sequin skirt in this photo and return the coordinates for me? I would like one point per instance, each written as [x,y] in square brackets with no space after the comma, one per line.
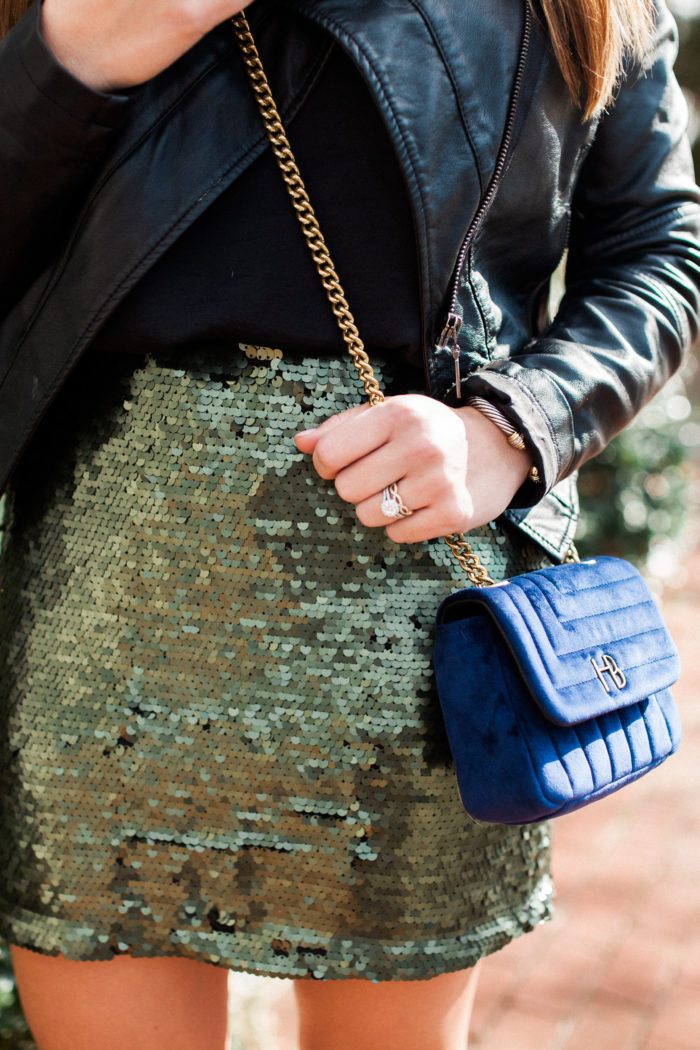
[219,735]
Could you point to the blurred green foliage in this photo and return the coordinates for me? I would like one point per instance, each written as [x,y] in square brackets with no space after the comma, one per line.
[638,494]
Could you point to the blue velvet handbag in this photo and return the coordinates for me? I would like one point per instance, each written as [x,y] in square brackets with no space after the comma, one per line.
[554,687]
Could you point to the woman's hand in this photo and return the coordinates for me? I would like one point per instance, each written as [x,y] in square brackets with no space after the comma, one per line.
[113,44]
[454,468]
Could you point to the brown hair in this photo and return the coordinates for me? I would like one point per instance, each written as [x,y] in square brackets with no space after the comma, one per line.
[10,12]
[590,39]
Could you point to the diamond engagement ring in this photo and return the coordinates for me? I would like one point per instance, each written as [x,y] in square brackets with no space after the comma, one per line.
[392,504]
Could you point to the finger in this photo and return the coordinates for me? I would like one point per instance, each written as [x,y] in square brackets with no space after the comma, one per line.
[367,476]
[431,523]
[410,495]
[417,490]
[359,432]
[306,440]
[428,520]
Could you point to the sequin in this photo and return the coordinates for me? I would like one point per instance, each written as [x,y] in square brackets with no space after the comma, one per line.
[219,736]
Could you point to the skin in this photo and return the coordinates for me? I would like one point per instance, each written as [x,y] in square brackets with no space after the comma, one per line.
[113,44]
[142,1004]
[180,1004]
[455,470]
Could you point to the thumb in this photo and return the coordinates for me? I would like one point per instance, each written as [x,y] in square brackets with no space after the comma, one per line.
[306,440]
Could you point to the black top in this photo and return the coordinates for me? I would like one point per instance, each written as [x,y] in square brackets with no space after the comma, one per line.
[243,271]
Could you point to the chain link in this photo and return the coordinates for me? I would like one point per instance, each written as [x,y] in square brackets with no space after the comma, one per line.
[277,136]
[468,560]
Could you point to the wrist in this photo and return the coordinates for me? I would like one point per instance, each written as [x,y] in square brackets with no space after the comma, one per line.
[512,435]
[496,470]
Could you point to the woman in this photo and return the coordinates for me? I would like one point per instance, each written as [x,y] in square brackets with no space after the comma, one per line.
[220,743]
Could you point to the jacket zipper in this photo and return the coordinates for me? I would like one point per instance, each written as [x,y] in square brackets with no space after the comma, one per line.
[450,332]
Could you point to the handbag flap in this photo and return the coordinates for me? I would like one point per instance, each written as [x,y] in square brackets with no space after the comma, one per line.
[587,637]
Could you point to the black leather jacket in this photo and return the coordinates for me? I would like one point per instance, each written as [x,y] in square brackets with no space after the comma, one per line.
[502,174]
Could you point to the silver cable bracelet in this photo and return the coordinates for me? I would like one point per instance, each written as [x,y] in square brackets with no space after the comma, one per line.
[514,437]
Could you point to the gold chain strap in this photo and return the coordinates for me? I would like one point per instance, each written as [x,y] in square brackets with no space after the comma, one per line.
[461,549]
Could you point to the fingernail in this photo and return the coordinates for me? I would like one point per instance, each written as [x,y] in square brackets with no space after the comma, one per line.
[303,433]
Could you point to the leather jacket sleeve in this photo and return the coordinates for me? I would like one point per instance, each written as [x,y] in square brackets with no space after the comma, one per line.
[53,133]
[630,308]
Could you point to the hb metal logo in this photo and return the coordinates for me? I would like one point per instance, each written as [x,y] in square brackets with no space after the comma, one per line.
[609,666]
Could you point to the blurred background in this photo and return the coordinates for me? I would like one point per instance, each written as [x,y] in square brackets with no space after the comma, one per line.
[619,969]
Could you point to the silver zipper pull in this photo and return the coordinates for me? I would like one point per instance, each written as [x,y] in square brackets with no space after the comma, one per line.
[448,338]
